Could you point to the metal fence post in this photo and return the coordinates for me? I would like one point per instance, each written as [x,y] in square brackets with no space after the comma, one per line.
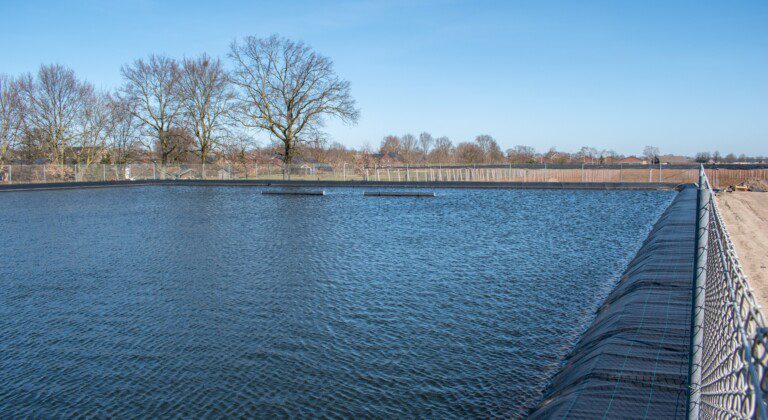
[699,295]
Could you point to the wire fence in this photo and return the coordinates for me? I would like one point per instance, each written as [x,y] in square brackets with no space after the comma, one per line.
[19,174]
[729,334]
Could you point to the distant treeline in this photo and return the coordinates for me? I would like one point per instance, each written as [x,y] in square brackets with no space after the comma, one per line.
[204,109]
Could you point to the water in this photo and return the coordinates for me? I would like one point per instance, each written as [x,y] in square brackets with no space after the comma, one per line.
[216,301]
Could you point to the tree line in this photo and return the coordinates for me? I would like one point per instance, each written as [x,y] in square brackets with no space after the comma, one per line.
[205,109]
[173,110]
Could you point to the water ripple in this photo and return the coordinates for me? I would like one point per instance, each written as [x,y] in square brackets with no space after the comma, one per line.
[214,302]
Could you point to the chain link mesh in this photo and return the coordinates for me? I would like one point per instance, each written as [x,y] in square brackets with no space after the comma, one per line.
[734,357]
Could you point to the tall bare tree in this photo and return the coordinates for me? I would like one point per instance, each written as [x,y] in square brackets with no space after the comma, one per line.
[123,140]
[52,105]
[287,89]
[408,145]
[207,99]
[390,144]
[152,87]
[651,154]
[10,115]
[95,126]
[491,149]
[425,143]
[442,151]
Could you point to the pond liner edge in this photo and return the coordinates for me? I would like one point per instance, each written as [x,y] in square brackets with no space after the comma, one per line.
[349,184]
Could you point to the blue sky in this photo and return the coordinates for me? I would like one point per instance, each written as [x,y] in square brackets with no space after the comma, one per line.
[685,76]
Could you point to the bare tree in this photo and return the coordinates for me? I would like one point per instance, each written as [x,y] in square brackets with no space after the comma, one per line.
[53,103]
[651,154]
[610,155]
[703,157]
[287,89]
[238,148]
[408,144]
[441,152]
[95,126]
[470,153]
[490,148]
[207,99]
[390,144]
[122,142]
[180,145]
[152,89]
[10,115]
[587,154]
[522,154]
[425,143]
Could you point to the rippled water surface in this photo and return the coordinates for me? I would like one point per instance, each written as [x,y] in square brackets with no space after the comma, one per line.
[216,301]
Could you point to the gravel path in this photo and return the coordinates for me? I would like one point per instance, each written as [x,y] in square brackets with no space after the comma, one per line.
[746,216]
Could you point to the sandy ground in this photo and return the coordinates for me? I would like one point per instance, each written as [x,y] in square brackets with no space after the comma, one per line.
[746,217]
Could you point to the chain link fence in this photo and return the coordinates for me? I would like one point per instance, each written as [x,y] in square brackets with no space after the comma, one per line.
[677,174]
[729,334]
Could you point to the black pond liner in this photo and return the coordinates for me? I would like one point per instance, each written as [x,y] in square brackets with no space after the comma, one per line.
[632,362]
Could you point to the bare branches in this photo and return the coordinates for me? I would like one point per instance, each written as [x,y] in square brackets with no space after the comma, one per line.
[95,127]
[10,115]
[207,100]
[152,88]
[53,101]
[176,110]
[288,90]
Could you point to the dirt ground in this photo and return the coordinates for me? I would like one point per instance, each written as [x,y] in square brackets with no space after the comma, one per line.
[746,217]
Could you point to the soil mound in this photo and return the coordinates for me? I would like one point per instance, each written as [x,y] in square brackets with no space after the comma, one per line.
[754,184]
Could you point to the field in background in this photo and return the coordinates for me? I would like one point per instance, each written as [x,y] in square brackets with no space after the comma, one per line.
[720,176]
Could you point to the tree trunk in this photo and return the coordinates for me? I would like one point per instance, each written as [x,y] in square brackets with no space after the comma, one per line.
[287,159]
